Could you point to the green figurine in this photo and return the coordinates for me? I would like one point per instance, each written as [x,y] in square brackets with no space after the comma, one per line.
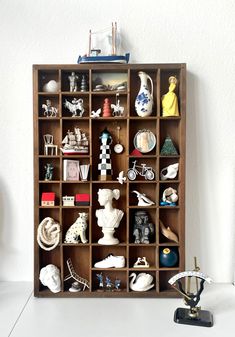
[49,171]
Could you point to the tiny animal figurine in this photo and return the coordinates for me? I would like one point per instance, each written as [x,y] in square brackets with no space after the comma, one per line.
[121,179]
[169,172]
[49,171]
[49,110]
[169,197]
[106,108]
[73,82]
[96,114]
[170,100]
[141,282]
[78,229]
[76,107]
[143,200]
[141,263]
[167,232]
[143,228]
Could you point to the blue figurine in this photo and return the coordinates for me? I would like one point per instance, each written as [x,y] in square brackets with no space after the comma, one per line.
[100,279]
[117,284]
[108,283]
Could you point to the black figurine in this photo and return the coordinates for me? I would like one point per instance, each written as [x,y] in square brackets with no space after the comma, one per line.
[143,229]
[49,171]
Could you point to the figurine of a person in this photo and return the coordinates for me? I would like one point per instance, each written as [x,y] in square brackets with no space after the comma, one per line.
[73,82]
[170,100]
[50,111]
[50,277]
[143,229]
[49,171]
[109,218]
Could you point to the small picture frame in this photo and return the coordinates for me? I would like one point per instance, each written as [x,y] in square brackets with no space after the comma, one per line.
[71,170]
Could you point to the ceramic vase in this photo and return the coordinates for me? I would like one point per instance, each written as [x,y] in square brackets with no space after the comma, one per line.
[144,99]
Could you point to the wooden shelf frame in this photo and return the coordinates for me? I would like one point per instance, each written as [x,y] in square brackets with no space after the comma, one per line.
[92,250]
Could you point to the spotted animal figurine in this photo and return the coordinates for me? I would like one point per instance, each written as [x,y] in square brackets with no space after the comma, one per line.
[77,230]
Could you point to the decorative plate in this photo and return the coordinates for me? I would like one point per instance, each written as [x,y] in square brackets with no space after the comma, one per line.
[144,141]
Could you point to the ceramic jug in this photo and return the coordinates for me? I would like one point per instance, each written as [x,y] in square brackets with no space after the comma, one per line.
[144,99]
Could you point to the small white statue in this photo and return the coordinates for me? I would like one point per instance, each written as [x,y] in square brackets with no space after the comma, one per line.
[143,200]
[50,277]
[76,107]
[96,114]
[109,218]
[121,179]
[78,229]
[169,172]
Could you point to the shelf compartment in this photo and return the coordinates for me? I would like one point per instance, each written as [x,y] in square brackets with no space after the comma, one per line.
[101,252]
[135,87]
[152,216]
[164,79]
[110,78]
[69,216]
[75,171]
[45,258]
[142,124]
[53,128]
[118,161]
[142,251]
[44,76]
[49,212]
[54,103]
[113,274]
[65,83]
[170,128]
[50,187]
[164,277]
[56,171]
[80,258]
[170,218]
[150,191]
[98,103]
[69,97]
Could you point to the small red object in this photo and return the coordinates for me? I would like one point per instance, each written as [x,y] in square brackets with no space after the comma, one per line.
[48,196]
[107,108]
[136,153]
[82,199]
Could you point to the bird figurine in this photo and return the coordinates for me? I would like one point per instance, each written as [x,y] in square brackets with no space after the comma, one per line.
[121,179]
[96,114]
[141,282]
[143,200]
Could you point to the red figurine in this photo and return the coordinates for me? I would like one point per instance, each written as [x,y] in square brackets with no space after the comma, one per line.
[107,108]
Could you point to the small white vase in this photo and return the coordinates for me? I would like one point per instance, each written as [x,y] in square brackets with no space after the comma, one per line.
[144,99]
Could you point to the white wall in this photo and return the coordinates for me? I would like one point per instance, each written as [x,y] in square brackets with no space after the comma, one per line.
[198,32]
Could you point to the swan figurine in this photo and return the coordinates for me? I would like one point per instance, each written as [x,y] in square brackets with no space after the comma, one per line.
[141,282]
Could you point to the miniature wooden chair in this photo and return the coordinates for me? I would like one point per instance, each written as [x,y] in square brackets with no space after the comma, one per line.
[48,144]
[75,276]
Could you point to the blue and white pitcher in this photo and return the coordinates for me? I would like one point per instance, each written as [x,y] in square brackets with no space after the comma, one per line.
[144,99]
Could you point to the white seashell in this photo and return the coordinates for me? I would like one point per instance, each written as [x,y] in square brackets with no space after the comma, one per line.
[169,172]
[51,86]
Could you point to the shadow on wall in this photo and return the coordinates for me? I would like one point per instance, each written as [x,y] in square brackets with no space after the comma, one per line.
[6,228]
[193,187]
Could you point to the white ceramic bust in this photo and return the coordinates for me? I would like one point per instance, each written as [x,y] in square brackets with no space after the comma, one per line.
[109,218]
[50,277]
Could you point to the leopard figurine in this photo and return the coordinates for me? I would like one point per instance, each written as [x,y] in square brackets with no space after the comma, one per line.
[78,229]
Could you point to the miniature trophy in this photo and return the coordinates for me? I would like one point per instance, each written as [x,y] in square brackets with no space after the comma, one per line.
[49,171]
[143,229]
[170,100]
[194,315]
[109,218]
[73,82]
[105,165]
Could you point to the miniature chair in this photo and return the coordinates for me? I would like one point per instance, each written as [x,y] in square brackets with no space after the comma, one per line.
[75,276]
[48,144]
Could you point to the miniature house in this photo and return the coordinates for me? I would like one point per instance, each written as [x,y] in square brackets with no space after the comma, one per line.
[68,201]
[48,199]
[82,199]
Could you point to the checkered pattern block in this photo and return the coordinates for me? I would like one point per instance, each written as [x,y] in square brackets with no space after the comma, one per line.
[105,166]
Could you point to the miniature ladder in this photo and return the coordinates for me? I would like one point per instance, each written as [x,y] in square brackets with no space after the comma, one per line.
[75,276]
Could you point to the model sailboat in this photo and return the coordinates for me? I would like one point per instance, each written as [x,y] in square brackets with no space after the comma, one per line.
[75,142]
[93,54]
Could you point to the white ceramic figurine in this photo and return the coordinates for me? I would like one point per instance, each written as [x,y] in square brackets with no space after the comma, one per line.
[50,277]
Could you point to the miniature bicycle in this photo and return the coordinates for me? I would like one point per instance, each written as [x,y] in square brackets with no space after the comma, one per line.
[142,170]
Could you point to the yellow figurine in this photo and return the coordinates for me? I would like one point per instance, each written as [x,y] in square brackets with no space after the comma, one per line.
[170,100]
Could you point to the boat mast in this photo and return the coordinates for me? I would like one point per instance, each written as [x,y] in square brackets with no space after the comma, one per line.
[114,33]
[89,52]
